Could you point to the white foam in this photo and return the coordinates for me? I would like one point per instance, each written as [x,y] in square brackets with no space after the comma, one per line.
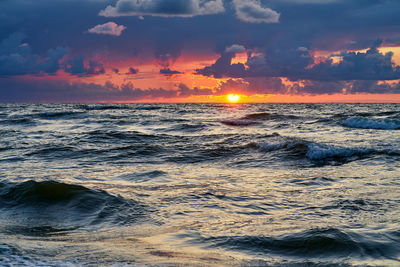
[365,123]
[319,152]
[12,260]
[315,151]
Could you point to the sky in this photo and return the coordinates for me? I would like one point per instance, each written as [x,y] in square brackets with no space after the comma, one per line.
[199,50]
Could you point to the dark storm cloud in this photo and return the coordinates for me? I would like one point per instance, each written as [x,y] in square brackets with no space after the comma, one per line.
[16,57]
[298,64]
[163,8]
[77,66]
[371,65]
[223,67]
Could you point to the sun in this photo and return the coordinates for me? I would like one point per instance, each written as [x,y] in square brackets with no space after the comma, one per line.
[233,98]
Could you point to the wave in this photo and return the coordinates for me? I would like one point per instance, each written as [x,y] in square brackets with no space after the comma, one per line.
[316,243]
[269,116]
[256,118]
[188,127]
[58,115]
[18,120]
[53,207]
[239,122]
[320,152]
[104,107]
[148,108]
[365,123]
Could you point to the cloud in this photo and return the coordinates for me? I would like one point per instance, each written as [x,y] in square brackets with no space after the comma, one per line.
[223,67]
[296,63]
[17,90]
[77,66]
[109,28]
[371,65]
[284,49]
[252,11]
[132,71]
[235,49]
[250,86]
[163,8]
[16,57]
[168,71]
[44,90]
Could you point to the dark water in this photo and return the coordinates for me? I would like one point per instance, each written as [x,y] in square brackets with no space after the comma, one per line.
[200,185]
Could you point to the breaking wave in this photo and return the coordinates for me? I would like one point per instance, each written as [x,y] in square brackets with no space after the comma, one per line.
[321,152]
[366,123]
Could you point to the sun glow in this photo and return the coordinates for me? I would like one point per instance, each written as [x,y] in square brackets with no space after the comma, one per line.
[233,98]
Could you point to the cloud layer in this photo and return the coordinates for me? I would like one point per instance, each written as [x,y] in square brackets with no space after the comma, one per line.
[292,47]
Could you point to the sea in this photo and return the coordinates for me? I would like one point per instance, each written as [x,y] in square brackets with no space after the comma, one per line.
[200,184]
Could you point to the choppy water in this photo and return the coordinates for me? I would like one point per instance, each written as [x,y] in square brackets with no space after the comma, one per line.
[200,184]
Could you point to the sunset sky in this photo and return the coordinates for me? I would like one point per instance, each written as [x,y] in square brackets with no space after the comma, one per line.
[199,50]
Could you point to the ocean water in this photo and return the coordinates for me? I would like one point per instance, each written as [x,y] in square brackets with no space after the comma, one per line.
[199,185]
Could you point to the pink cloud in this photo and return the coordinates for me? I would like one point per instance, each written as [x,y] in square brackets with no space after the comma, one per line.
[110,28]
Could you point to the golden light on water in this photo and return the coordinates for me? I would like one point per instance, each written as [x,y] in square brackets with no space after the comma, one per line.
[233,98]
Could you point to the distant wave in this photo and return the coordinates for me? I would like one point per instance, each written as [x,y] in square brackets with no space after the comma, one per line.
[104,107]
[366,123]
[148,108]
[57,115]
[16,120]
[187,127]
[239,122]
[256,118]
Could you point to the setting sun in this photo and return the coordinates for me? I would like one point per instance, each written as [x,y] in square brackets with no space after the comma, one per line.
[233,98]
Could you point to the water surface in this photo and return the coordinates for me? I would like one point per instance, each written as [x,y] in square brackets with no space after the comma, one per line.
[200,184]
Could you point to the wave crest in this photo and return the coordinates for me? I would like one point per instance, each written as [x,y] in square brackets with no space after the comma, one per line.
[366,123]
[319,152]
